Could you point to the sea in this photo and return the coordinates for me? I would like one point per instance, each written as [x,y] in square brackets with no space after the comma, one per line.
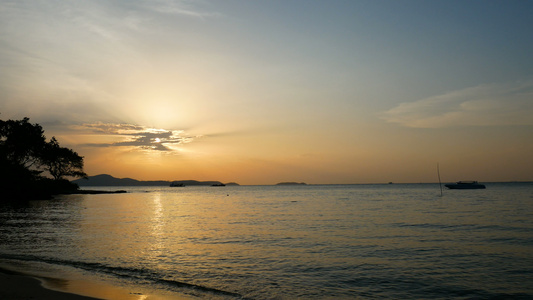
[367,241]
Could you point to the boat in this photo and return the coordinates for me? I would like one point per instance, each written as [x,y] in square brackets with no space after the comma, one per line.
[177,184]
[218,184]
[464,185]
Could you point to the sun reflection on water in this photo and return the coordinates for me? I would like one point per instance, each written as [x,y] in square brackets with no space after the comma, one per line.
[157,226]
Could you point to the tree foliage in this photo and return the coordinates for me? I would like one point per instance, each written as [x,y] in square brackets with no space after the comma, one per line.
[61,162]
[21,141]
[26,158]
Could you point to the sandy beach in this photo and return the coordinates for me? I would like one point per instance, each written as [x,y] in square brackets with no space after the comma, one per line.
[18,286]
[21,285]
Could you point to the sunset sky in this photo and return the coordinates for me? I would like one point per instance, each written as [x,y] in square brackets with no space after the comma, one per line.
[259,92]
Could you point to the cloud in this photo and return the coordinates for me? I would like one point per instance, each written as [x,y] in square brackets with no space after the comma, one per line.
[139,137]
[96,54]
[179,7]
[484,105]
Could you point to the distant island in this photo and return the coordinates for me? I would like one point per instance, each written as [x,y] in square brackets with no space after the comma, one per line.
[197,183]
[108,180]
[179,183]
[291,183]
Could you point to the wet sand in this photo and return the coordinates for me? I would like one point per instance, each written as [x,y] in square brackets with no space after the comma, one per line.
[17,286]
[20,285]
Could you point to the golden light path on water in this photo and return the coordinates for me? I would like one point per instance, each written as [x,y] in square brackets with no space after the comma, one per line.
[157,226]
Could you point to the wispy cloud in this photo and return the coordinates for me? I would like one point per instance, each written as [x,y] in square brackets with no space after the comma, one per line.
[483,105]
[179,7]
[139,137]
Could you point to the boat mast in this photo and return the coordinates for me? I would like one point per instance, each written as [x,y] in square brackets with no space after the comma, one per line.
[440,184]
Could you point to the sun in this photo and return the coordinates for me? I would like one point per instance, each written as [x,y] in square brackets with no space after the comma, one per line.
[157,140]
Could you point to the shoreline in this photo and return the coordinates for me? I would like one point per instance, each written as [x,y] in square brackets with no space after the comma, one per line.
[92,192]
[16,285]
[23,283]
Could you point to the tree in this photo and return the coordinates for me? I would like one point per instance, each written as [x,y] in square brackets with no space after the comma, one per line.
[21,142]
[61,162]
[25,156]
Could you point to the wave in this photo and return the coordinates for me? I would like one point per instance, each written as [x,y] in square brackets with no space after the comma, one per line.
[131,274]
[463,227]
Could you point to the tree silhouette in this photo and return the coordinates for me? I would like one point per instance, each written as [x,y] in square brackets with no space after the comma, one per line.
[61,162]
[25,156]
[21,142]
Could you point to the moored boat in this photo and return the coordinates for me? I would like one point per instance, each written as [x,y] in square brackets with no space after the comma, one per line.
[463,185]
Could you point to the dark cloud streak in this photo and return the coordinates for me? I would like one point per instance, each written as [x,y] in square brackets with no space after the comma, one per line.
[137,136]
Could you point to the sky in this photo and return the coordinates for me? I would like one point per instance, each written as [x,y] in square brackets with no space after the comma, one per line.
[261,92]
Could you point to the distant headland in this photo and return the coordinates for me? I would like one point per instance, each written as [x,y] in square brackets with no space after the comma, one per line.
[108,180]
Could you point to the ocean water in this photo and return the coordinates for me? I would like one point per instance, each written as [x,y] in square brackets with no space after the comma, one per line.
[398,241]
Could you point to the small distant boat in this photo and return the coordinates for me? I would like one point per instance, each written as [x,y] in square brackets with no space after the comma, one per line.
[464,185]
[176,184]
[218,184]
